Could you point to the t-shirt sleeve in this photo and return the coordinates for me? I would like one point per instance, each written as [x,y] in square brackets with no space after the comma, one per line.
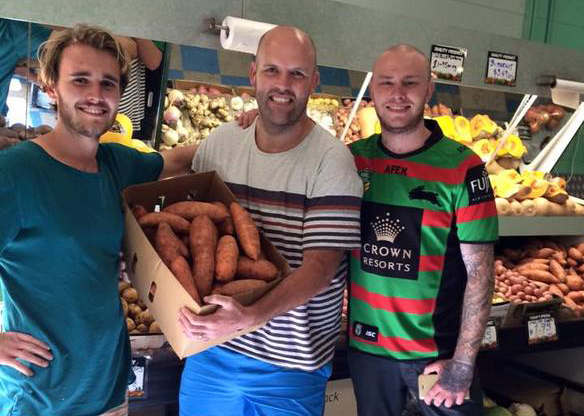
[475,210]
[135,167]
[332,219]
[9,211]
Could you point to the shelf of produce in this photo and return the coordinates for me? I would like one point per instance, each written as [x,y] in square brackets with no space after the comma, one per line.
[544,226]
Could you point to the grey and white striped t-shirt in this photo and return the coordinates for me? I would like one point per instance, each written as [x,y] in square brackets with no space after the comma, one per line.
[307,197]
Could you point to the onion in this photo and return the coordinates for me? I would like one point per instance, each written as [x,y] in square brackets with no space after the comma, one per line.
[170,137]
[172,115]
[182,132]
[176,97]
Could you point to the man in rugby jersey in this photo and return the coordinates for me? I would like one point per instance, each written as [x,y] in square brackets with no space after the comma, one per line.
[421,284]
[301,187]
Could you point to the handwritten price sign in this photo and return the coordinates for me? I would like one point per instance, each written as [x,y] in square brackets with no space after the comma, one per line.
[501,69]
[541,328]
[447,62]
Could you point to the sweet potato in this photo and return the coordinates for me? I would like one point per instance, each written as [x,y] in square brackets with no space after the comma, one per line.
[152,219]
[226,258]
[532,260]
[557,270]
[226,226]
[574,282]
[203,243]
[555,290]
[577,296]
[139,211]
[191,209]
[241,286]
[247,232]
[580,248]
[570,303]
[540,275]
[533,266]
[168,245]
[575,254]
[571,262]
[542,252]
[563,287]
[260,269]
[182,271]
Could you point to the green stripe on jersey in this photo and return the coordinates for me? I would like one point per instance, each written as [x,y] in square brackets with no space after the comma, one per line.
[371,349]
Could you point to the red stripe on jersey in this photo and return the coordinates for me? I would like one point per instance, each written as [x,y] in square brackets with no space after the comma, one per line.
[399,344]
[356,253]
[392,303]
[431,263]
[436,218]
[480,211]
[428,173]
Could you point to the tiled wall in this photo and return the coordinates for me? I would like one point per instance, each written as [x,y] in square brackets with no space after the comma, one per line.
[231,68]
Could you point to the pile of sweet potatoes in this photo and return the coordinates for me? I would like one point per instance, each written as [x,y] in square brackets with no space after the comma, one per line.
[540,271]
[209,247]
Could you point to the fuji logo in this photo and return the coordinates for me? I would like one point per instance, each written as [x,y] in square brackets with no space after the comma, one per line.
[387,229]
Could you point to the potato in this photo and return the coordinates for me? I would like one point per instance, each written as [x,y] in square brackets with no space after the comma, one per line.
[122,286]
[241,286]
[226,258]
[130,294]
[260,269]
[134,311]
[142,328]
[130,324]
[191,209]
[203,242]
[247,232]
[124,306]
[145,317]
[177,223]
[154,328]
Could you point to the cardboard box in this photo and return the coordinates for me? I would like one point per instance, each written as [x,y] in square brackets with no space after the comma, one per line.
[339,398]
[156,285]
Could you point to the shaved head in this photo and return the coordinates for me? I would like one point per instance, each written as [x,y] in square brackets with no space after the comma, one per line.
[284,36]
[406,51]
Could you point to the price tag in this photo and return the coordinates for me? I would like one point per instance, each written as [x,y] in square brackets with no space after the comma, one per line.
[490,338]
[137,390]
[501,68]
[541,328]
[447,62]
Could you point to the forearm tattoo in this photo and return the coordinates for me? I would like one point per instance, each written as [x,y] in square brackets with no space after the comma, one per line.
[478,259]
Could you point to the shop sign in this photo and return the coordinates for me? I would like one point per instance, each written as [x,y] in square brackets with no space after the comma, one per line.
[447,62]
[501,69]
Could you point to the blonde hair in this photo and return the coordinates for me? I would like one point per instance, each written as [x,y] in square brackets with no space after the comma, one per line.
[50,51]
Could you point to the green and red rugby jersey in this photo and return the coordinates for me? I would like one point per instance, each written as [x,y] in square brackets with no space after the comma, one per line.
[408,279]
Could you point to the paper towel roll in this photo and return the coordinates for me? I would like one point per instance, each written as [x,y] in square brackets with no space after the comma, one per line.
[244,35]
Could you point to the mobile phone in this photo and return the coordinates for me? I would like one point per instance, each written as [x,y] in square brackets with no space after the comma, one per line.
[426,382]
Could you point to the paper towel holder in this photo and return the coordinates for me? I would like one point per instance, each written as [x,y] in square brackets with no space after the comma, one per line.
[215,27]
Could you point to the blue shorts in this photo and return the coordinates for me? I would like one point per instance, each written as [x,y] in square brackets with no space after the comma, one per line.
[221,382]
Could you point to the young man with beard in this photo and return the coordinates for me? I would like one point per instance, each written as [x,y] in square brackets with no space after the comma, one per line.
[421,284]
[301,187]
[66,349]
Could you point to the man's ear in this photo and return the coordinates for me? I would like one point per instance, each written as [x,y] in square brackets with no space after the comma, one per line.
[50,91]
[430,92]
[252,73]
[315,80]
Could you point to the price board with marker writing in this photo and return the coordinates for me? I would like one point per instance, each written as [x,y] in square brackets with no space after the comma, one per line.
[501,69]
[447,62]
[490,338]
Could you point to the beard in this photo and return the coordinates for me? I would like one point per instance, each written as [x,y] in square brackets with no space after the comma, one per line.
[278,120]
[69,116]
[410,125]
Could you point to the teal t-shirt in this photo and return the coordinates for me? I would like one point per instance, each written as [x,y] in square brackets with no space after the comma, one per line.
[60,237]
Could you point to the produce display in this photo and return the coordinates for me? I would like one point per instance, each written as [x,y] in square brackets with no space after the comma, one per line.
[543,269]
[121,132]
[531,193]
[9,136]
[322,111]
[547,116]
[341,119]
[516,409]
[209,247]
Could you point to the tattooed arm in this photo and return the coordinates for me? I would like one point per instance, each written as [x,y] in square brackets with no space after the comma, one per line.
[456,374]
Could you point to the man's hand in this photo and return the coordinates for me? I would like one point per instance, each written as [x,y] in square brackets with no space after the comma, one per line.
[229,318]
[453,384]
[246,118]
[14,345]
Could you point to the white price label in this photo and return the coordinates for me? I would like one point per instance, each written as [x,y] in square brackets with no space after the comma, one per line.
[541,328]
[501,69]
[136,389]
[490,337]
[447,62]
